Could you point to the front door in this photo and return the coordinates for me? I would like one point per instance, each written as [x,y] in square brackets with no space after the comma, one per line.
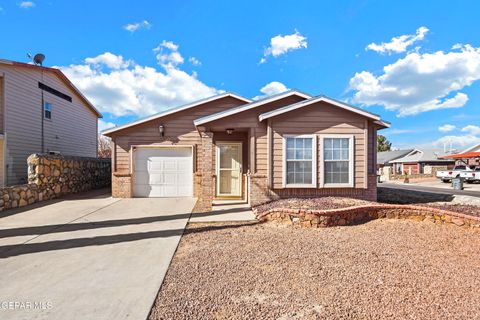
[229,169]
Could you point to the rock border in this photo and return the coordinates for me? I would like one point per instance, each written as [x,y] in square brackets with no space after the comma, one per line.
[359,214]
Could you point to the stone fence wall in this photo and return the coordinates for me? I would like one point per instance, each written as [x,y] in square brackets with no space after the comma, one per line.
[53,176]
[359,214]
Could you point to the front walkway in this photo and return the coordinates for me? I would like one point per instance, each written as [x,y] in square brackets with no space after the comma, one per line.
[225,211]
[88,258]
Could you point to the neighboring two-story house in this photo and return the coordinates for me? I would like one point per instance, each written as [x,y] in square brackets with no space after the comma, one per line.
[41,111]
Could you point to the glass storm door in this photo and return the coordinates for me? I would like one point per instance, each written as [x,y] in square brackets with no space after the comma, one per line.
[229,169]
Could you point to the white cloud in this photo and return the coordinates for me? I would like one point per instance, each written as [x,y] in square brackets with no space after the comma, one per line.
[397,131]
[400,43]
[456,141]
[270,89]
[446,128]
[103,125]
[194,61]
[109,60]
[471,129]
[282,44]
[132,27]
[26,4]
[168,55]
[420,82]
[131,89]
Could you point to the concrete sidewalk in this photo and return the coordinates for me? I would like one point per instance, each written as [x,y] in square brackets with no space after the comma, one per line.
[225,211]
[93,258]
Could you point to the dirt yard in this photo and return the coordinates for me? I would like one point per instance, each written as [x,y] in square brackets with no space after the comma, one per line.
[383,269]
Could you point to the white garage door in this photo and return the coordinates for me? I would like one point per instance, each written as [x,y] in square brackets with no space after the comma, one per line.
[163,172]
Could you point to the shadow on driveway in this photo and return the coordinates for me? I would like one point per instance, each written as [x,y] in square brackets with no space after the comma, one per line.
[28,248]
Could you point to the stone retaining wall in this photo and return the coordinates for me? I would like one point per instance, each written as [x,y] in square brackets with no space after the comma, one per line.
[359,214]
[51,177]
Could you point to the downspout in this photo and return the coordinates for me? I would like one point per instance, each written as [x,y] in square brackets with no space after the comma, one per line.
[41,118]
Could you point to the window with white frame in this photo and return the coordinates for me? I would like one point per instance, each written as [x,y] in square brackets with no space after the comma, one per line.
[47,110]
[338,160]
[299,161]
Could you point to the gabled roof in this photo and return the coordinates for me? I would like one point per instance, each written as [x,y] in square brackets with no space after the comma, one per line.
[249,106]
[472,149]
[386,156]
[424,155]
[59,74]
[176,109]
[465,155]
[323,98]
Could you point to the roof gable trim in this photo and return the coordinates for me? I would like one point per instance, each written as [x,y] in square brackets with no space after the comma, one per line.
[249,106]
[60,75]
[311,101]
[175,110]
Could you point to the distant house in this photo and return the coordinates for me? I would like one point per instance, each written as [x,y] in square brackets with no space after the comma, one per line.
[384,158]
[41,111]
[469,156]
[474,160]
[424,161]
[384,162]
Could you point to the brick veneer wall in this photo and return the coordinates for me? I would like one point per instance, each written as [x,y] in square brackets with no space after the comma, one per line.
[205,192]
[121,185]
[260,194]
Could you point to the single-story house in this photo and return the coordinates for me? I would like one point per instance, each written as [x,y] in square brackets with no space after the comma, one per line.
[384,158]
[469,156]
[384,162]
[227,146]
[424,161]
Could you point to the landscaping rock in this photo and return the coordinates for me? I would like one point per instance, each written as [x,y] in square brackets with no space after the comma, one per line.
[51,176]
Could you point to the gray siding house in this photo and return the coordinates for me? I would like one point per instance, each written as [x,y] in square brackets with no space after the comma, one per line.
[41,111]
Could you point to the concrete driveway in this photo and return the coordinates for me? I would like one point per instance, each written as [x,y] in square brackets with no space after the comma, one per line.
[90,257]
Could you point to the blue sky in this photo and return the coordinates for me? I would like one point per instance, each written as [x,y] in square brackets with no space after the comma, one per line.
[415,64]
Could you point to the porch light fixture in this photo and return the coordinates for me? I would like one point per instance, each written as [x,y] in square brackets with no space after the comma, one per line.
[161,129]
[230,131]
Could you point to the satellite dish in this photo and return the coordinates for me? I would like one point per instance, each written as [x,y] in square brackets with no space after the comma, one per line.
[38,59]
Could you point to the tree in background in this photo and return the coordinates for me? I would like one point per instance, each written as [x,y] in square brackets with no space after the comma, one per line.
[383,144]
[104,150]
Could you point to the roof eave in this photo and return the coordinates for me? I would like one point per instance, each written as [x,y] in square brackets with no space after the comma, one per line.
[61,75]
[321,98]
[223,114]
[174,110]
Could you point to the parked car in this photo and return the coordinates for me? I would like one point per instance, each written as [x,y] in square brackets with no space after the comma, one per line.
[448,175]
[471,176]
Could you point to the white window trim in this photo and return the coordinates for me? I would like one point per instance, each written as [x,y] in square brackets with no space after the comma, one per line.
[314,161]
[351,165]
[44,110]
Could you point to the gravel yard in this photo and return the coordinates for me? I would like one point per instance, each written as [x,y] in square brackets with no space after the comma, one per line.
[383,269]
[460,208]
[323,203]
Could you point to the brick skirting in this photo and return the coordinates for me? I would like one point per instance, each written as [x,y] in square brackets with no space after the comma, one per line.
[358,214]
[121,185]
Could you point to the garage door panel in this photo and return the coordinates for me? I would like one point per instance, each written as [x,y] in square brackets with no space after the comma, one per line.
[163,172]
[154,165]
[170,165]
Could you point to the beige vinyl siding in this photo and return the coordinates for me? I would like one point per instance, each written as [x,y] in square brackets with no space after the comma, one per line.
[179,129]
[71,131]
[249,119]
[319,118]
[2,104]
